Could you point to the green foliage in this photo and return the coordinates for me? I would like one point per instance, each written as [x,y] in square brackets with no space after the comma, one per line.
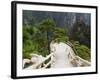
[81,32]
[36,39]
[47,24]
[60,35]
[82,50]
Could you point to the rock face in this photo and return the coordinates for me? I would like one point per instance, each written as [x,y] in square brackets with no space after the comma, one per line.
[77,25]
[35,59]
[26,61]
[61,18]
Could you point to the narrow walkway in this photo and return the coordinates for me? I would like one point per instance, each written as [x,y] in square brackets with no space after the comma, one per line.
[62,56]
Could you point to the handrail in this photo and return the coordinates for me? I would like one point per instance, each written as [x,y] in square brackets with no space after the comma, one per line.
[38,64]
[84,61]
[45,66]
[81,59]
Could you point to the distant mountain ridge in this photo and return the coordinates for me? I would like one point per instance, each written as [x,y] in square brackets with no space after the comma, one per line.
[60,18]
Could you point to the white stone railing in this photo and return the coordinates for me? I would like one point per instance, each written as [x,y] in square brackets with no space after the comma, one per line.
[75,59]
[83,62]
[80,61]
[41,63]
